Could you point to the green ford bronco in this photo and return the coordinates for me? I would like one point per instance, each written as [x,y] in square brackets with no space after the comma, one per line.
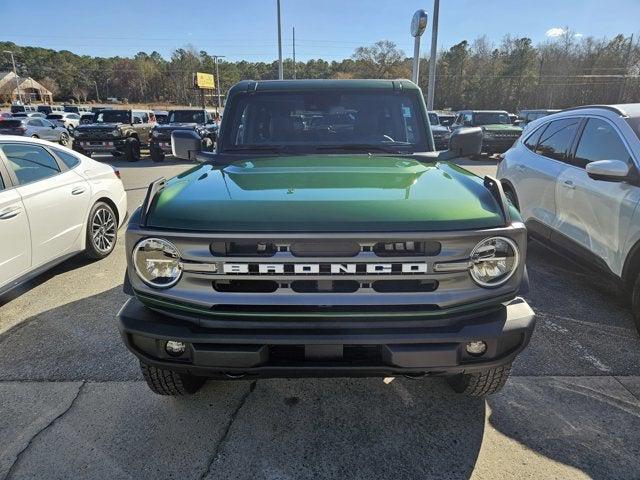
[326,237]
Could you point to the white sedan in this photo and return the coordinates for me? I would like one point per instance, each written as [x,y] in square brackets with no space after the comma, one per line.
[54,203]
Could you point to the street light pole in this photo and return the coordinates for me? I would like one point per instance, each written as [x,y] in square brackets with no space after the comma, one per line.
[15,73]
[418,24]
[280,70]
[216,57]
[431,90]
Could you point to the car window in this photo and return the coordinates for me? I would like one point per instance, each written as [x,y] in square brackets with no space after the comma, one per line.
[467,118]
[30,163]
[67,158]
[36,123]
[47,123]
[73,116]
[1,183]
[599,141]
[532,140]
[556,138]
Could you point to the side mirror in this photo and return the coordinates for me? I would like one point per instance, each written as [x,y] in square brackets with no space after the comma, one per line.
[465,142]
[185,144]
[608,170]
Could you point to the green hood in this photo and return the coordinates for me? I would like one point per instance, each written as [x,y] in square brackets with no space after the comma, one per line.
[324,193]
[501,127]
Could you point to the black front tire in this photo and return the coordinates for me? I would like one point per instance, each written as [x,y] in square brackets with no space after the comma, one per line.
[635,303]
[100,243]
[168,382]
[157,155]
[132,149]
[481,383]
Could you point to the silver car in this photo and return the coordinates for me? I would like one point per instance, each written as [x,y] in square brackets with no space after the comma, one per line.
[65,119]
[36,128]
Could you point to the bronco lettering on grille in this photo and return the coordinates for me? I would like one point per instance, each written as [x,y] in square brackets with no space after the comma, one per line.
[322,268]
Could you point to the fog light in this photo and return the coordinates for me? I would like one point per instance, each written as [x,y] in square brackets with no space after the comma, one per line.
[175,349]
[476,348]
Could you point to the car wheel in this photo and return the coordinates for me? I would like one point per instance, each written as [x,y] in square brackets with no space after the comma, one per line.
[479,384]
[132,149]
[157,155]
[168,382]
[207,145]
[635,303]
[64,139]
[102,231]
[34,136]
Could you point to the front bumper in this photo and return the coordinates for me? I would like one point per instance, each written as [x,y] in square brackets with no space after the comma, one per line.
[163,144]
[327,346]
[497,145]
[100,145]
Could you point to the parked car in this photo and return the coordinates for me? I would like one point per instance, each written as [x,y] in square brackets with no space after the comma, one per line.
[298,249]
[18,108]
[119,132]
[48,109]
[54,203]
[446,119]
[36,128]
[29,115]
[528,116]
[5,115]
[440,133]
[200,121]
[65,119]
[498,133]
[575,178]
[161,116]
[76,109]
[87,118]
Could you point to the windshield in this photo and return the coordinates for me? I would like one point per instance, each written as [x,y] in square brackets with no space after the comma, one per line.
[113,116]
[186,116]
[433,119]
[323,119]
[491,118]
[634,123]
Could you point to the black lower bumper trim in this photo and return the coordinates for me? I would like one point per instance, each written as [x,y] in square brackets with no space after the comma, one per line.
[351,350]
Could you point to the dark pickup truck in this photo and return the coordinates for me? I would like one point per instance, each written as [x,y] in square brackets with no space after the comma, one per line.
[199,121]
[119,132]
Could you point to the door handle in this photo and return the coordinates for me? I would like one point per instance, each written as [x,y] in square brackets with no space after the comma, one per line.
[9,212]
[568,184]
[77,191]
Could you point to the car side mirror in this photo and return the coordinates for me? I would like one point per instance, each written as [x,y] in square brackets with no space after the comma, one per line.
[608,170]
[185,144]
[465,142]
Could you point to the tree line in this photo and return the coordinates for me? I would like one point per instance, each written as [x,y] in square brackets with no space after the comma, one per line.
[512,75]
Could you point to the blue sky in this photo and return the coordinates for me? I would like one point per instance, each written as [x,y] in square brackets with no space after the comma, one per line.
[330,29]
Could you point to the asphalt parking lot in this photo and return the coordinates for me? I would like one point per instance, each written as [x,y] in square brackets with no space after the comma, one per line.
[73,404]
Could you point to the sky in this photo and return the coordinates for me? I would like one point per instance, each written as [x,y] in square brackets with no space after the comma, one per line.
[329,29]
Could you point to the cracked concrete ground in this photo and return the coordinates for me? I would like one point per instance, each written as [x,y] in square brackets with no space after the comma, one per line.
[72,403]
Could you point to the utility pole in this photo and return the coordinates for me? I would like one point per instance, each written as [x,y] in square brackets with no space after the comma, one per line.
[15,73]
[280,70]
[431,90]
[215,58]
[294,53]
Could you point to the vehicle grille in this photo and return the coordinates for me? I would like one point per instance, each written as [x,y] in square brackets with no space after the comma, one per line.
[95,134]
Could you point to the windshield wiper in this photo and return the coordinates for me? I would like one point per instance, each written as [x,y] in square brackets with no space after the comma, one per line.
[365,147]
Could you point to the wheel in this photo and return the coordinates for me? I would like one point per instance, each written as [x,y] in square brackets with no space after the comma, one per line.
[479,384]
[102,231]
[132,149]
[168,382]
[34,136]
[635,303]
[64,139]
[157,155]
[207,145]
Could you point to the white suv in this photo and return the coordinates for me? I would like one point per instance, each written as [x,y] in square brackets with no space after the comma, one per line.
[575,176]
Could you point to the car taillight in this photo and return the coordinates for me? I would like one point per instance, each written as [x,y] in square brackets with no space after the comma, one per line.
[117,173]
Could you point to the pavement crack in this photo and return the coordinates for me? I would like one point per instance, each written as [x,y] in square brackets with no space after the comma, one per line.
[626,388]
[227,429]
[42,430]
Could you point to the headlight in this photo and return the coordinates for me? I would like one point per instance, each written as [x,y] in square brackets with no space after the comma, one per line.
[494,260]
[155,133]
[157,262]
[115,132]
[77,133]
